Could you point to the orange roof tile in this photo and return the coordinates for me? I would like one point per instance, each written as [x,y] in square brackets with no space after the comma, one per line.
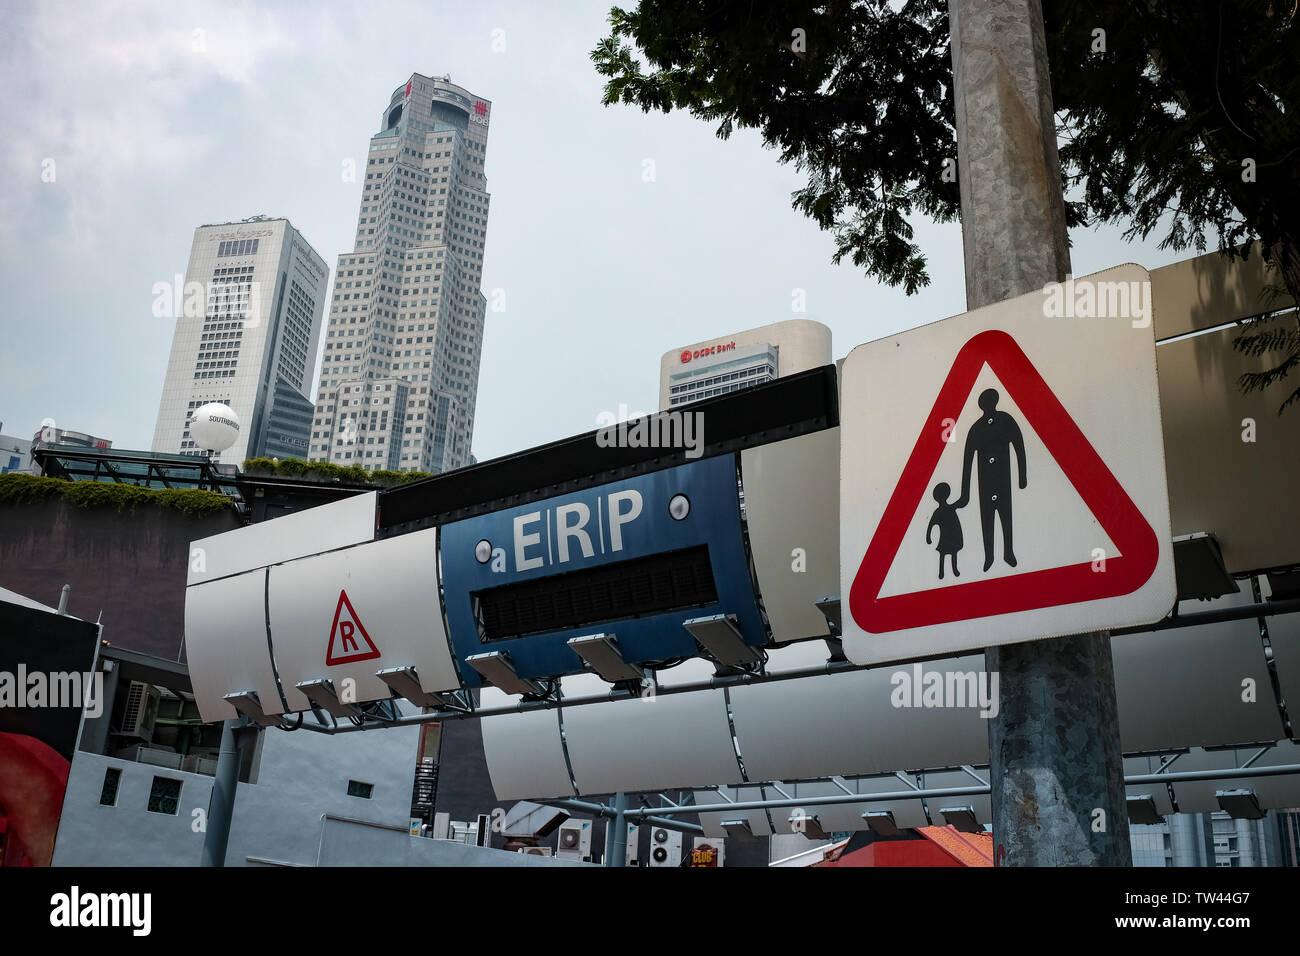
[969,849]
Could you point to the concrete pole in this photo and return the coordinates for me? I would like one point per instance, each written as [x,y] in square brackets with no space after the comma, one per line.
[1056,767]
[221,805]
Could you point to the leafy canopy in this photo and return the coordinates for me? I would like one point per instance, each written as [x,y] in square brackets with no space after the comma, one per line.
[1173,115]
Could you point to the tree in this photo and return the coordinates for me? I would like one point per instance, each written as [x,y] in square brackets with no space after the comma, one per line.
[1172,115]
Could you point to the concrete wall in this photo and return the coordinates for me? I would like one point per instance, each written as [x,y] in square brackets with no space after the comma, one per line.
[130,567]
[302,775]
[296,813]
[127,834]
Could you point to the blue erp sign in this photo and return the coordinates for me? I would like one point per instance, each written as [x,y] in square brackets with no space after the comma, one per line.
[634,558]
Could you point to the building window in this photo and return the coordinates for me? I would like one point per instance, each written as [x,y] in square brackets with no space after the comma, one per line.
[164,795]
[358,789]
[108,796]
[238,247]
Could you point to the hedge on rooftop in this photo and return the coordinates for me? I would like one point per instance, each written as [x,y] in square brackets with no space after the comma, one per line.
[19,489]
[327,471]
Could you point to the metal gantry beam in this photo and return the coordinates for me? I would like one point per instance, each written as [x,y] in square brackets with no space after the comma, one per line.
[921,793]
[651,817]
[523,705]
[658,816]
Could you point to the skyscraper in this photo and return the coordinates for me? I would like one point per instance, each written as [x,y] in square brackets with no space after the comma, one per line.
[248,320]
[405,335]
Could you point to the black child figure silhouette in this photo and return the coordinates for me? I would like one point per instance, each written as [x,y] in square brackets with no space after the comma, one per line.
[949,524]
[988,440]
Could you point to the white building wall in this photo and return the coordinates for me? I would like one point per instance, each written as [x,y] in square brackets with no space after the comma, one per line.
[15,454]
[297,813]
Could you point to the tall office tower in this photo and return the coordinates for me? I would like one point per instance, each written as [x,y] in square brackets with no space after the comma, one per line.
[405,336]
[248,320]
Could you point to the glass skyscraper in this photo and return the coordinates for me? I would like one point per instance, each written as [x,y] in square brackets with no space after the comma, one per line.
[405,333]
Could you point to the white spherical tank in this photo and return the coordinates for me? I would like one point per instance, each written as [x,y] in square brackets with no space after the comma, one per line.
[214,427]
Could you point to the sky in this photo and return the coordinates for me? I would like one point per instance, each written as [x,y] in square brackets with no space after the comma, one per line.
[127,126]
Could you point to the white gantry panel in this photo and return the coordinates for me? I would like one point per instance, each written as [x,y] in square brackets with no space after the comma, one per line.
[675,740]
[1183,687]
[323,528]
[792,501]
[346,614]
[226,645]
[524,753]
[850,724]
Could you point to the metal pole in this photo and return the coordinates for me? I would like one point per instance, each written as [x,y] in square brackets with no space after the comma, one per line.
[1054,752]
[650,817]
[221,805]
[618,846]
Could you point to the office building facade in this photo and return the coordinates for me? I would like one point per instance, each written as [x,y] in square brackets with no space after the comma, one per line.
[728,363]
[248,322]
[399,380]
[1217,839]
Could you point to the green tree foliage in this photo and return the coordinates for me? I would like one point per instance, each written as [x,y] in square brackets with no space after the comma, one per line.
[1173,115]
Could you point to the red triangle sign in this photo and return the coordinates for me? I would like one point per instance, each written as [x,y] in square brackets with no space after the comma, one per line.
[344,647]
[1109,503]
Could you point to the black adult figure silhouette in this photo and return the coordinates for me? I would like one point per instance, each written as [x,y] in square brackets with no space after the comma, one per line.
[987,440]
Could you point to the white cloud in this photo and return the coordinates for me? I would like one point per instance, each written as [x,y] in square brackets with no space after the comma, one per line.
[110,94]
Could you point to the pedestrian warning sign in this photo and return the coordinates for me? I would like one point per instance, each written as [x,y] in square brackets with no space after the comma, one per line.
[348,638]
[1002,480]
[990,445]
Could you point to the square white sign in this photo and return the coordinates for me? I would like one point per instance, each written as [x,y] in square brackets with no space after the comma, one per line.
[1002,475]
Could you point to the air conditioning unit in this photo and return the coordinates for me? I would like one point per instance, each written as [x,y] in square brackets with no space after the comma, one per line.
[575,840]
[536,851]
[665,847]
[441,826]
[458,831]
[708,852]
[633,845]
[141,710]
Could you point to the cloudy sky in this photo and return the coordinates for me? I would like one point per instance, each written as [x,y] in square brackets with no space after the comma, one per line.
[152,118]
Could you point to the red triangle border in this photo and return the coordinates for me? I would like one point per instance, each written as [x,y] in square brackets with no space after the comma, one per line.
[331,659]
[1032,590]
